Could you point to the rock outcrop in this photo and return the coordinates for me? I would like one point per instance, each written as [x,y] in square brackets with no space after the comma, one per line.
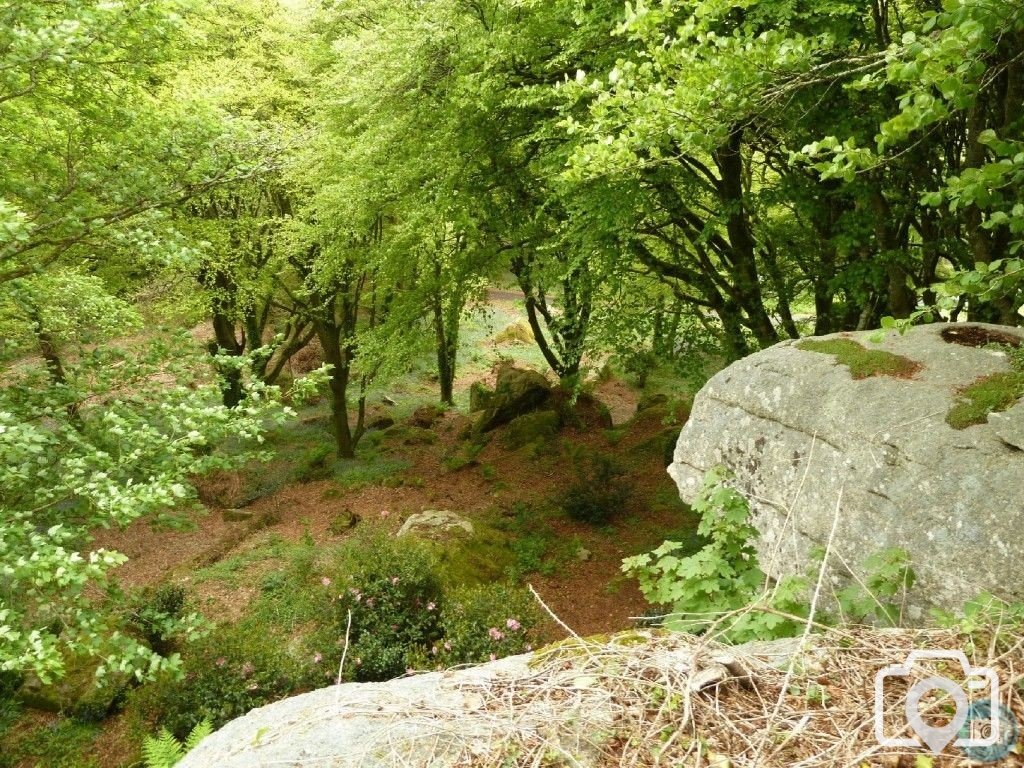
[517,391]
[566,700]
[847,431]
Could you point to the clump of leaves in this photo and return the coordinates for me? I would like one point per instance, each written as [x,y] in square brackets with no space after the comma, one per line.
[990,624]
[722,586]
[159,613]
[888,577]
[722,577]
[862,362]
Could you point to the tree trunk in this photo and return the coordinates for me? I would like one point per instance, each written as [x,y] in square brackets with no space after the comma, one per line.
[729,160]
[226,344]
[330,339]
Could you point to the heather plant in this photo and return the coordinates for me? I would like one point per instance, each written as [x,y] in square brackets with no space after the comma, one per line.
[234,669]
[393,594]
[485,623]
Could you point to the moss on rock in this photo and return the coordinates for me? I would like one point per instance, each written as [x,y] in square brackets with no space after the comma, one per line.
[989,394]
[530,428]
[862,362]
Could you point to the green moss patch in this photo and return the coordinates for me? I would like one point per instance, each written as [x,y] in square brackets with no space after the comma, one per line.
[989,394]
[862,362]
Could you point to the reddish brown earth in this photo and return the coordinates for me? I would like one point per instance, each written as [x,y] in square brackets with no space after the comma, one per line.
[590,596]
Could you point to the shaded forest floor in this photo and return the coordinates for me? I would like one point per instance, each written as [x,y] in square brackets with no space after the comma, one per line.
[510,494]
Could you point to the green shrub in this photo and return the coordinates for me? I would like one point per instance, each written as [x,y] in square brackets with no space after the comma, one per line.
[63,743]
[599,492]
[394,595]
[315,464]
[484,623]
[722,586]
[158,613]
[231,671]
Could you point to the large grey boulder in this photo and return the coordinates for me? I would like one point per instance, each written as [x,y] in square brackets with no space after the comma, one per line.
[810,445]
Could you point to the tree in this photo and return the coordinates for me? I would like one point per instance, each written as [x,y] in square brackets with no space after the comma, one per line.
[97,154]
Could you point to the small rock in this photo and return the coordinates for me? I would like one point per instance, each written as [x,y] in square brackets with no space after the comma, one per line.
[435,524]
[381,422]
[516,392]
[426,416]
[651,400]
[343,522]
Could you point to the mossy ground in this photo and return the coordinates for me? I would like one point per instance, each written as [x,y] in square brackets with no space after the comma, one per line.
[989,394]
[862,362]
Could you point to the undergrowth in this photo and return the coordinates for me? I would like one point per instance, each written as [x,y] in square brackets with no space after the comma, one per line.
[722,588]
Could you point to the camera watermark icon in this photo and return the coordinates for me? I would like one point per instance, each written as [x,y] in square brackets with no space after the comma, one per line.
[1000,735]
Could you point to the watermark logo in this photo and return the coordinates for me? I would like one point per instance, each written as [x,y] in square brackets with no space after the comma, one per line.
[987,744]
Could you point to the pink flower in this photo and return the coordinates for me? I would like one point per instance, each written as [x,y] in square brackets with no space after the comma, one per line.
[325,581]
[394,579]
[433,650]
[384,513]
[370,602]
[529,647]
[496,634]
[493,657]
[447,645]
[221,661]
[431,606]
[318,657]
[513,625]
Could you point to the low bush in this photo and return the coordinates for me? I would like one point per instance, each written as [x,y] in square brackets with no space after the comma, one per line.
[600,491]
[231,671]
[157,613]
[721,587]
[394,596]
[315,464]
[485,623]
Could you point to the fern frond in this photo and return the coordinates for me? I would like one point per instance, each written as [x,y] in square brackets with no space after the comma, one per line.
[203,729]
[163,751]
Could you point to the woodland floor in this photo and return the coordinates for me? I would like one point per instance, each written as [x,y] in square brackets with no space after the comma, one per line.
[511,493]
[591,596]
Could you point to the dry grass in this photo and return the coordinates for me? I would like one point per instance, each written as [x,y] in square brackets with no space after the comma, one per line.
[660,699]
